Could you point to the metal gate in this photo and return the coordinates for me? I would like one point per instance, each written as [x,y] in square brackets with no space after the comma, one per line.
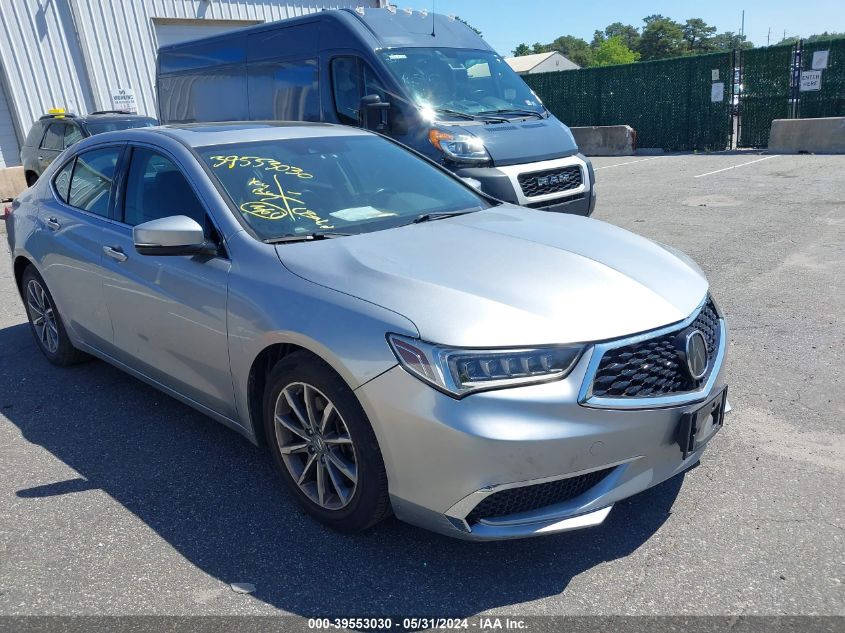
[770,80]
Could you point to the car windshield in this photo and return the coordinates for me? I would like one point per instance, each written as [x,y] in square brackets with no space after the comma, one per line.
[469,82]
[340,184]
[98,127]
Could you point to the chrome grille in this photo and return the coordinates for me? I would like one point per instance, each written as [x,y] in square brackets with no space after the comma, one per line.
[541,183]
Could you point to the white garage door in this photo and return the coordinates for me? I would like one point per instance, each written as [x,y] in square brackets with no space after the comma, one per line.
[10,154]
[175,30]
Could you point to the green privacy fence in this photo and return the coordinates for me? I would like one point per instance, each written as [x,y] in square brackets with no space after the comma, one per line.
[668,102]
[830,100]
[766,92]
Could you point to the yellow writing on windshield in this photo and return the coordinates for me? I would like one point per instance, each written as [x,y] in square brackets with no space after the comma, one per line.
[278,204]
[268,164]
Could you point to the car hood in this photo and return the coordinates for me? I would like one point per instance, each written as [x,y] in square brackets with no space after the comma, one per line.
[509,276]
[524,140]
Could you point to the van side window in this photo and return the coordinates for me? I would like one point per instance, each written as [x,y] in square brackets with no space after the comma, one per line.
[352,79]
[284,91]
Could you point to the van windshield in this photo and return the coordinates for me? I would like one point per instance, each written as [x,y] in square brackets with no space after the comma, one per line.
[333,184]
[461,81]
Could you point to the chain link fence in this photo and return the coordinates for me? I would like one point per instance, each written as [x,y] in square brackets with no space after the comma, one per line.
[767,85]
[668,102]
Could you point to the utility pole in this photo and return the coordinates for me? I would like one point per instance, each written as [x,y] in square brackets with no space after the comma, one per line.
[769,37]
[742,28]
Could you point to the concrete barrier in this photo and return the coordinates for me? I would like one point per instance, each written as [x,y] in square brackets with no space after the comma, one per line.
[815,136]
[11,182]
[606,140]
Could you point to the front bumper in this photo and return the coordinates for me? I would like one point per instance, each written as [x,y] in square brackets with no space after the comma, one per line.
[443,456]
[502,182]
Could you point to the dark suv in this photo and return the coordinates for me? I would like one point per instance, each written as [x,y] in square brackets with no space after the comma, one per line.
[52,133]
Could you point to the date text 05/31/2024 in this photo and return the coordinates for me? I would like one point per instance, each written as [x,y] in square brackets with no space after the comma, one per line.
[481,623]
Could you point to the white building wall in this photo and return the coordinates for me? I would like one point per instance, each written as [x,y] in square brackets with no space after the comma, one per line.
[72,53]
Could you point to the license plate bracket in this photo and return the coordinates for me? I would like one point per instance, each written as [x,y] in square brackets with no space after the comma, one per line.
[697,427]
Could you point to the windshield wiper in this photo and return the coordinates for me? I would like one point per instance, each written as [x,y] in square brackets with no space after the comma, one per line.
[438,215]
[470,117]
[515,111]
[305,237]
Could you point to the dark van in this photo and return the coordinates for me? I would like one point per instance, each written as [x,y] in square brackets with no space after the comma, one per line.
[427,80]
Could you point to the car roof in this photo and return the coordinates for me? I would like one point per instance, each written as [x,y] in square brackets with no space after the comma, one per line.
[222,133]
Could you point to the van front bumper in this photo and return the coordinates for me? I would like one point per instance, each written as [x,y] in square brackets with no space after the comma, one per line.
[444,456]
[503,183]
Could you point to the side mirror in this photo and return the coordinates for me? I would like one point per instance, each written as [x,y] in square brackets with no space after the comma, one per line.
[372,113]
[174,235]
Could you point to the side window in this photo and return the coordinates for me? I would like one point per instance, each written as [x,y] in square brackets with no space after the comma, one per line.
[55,137]
[156,188]
[33,139]
[62,180]
[72,134]
[352,79]
[347,88]
[92,179]
[284,91]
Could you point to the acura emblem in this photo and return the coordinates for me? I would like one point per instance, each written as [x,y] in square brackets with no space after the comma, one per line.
[695,353]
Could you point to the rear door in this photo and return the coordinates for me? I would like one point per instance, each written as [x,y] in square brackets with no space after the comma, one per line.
[168,312]
[73,230]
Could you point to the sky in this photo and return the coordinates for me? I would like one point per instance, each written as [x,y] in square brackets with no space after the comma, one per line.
[506,23]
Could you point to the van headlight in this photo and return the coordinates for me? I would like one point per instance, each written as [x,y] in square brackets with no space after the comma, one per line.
[461,148]
[459,371]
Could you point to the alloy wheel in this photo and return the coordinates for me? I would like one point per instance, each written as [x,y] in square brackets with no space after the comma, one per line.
[43,316]
[316,446]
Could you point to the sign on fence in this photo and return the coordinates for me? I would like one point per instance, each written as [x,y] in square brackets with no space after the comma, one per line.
[820,60]
[811,80]
[717,92]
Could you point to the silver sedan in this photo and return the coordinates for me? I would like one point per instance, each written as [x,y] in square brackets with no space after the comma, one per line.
[400,341]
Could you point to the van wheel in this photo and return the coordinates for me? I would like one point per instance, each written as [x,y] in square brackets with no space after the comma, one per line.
[31,178]
[46,322]
[324,445]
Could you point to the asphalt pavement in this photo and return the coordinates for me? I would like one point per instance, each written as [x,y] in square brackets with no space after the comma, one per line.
[116,499]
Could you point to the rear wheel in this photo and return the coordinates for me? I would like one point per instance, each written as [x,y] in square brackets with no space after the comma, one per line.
[46,322]
[324,445]
[31,178]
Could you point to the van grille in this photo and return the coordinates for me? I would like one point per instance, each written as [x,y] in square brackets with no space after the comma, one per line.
[541,183]
[534,497]
[652,367]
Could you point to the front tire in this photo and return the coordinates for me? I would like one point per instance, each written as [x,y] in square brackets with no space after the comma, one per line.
[46,322]
[323,444]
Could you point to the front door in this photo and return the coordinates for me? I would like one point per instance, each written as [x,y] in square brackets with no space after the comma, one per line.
[168,312]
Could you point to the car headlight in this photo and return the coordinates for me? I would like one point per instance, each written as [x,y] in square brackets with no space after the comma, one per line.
[459,371]
[461,148]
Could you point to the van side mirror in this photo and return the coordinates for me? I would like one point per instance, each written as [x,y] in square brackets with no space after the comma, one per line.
[372,113]
[173,235]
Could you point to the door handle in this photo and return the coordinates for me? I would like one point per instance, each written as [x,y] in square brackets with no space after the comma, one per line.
[115,253]
[53,223]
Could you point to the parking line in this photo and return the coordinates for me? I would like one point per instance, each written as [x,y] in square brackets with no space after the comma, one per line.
[630,162]
[710,173]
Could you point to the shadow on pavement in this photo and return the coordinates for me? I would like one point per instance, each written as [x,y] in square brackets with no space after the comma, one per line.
[216,499]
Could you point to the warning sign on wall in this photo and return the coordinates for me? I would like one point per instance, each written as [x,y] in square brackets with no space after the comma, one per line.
[123,99]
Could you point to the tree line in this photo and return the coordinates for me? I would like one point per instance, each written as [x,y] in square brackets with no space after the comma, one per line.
[659,38]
